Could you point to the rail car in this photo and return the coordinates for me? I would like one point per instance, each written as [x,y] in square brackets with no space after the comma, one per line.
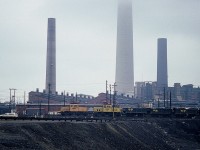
[109,110]
[186,112]
[78,110]
[161,112]
[9,115]
[74,110]
[135,112]
[192,112]
[179,112]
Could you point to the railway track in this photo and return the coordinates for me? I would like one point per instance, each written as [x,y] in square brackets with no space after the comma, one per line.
[87,119]
[76,119]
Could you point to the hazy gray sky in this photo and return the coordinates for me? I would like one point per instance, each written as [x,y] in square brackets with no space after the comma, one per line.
[86,42]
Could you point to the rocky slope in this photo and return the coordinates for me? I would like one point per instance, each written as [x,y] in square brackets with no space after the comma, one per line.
[149,134]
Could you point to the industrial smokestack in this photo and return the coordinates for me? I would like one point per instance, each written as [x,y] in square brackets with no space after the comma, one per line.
[51,57]
[124,76]
[162,79]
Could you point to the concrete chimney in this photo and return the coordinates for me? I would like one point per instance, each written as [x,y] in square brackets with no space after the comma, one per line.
[51,57]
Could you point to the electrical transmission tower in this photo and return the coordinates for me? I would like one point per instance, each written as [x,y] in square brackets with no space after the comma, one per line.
[12,99]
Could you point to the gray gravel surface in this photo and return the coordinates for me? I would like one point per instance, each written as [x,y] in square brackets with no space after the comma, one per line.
[158,134]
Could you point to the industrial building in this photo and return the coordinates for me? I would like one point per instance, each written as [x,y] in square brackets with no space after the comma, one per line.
[145,92]
[148,91]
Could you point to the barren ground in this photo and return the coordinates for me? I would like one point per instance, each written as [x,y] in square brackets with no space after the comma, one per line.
[183,134]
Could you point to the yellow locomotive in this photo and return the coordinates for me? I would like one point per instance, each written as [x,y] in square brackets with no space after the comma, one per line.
[107,110]
[74,110]
[87,110]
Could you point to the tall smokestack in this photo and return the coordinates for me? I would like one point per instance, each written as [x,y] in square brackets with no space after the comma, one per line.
[51,57]
[162,79]
[124,76]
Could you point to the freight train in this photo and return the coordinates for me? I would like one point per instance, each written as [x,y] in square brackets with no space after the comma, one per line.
[96,111]
[161,112]
[109,110]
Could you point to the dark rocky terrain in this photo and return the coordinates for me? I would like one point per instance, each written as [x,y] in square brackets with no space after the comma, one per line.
[149,134]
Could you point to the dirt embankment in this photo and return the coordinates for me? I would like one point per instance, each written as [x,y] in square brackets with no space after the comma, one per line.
[152,134]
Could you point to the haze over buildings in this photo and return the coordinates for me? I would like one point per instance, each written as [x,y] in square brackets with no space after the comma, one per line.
[88,27]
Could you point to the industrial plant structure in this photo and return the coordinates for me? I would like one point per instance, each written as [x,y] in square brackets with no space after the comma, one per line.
[51,57]
[124,76]
[162,77]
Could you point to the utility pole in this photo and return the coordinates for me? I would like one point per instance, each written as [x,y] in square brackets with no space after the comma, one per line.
[110,94]
[24,98]
[167,98]
[76,98]
[12,99]
[64,98]
[40,108]
[24,103]
[49,96]
[106,92]
[14,96]
[164,97]
[114,96]
[38,111]
[170,97]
